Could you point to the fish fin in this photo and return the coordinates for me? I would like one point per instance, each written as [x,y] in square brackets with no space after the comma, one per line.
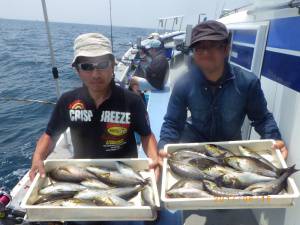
[146,181]
[219,180]
[105,175]
[51,181]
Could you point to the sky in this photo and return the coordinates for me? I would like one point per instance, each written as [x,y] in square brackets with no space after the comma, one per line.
[129,13]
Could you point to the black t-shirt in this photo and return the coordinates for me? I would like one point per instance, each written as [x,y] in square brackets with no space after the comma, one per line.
[106,132]
[157,71]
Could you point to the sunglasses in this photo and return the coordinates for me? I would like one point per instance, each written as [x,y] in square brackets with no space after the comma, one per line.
[208,46]
[92,66]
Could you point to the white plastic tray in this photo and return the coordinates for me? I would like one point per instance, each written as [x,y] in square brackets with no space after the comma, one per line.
[263,147]
[87,213]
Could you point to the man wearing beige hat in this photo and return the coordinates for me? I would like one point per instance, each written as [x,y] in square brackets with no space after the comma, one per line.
[102,117]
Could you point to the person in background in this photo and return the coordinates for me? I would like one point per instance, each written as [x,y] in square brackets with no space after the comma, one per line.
[217,94]
[94,110]
[156,73]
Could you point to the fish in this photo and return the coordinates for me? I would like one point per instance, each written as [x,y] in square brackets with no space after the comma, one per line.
[248,152]
[122,192]
[190,192]
[272,187]
[216,170]
[128,171]
[114,177]
[102,197]
[126,192]
[94,183]
[241,180]
[202,163]
[185,155]
[188,183]
[69,203]
[187,170]
[250,164]
[148,196]
[217,151]
[70,174]
[213,189]
[47,198]
[60,188]
[112,200]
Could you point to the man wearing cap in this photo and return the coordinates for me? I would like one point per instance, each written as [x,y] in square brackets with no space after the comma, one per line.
[217,94]
[156,73]
[102,116]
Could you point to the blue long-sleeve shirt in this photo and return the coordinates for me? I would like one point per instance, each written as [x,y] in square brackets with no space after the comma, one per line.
[216,115]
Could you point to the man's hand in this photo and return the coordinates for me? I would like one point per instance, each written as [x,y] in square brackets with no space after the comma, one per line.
[162,154]
[156,166]
[134,85]
[37,167]
[281,146]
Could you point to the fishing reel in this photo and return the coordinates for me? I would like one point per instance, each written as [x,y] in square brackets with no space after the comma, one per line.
[5,199]
[9,216]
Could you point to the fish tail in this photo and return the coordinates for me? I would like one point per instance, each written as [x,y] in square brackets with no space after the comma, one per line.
[287,171]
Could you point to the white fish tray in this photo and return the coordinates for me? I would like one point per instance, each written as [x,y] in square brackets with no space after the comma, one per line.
[262,147]
[90,213]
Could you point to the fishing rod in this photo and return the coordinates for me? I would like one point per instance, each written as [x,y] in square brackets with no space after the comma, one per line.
[27,100]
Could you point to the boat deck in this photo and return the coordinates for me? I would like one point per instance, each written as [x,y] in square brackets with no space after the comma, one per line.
[157,103]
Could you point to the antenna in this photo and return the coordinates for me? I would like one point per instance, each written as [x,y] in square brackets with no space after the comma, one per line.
[111,37]
[54,68]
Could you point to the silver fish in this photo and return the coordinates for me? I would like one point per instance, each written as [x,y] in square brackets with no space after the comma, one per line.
[48,198]
[122,192]
[217,151]
[216,171]
[126,192]
[202,163]
[213,189]
[128,171]
[187,193]
[148,196]
[69,203]
[241,180]
[248,152]
[186,155]
[94,183]
[114,177]
[70,174]
[60,188]
[101,197]
[112,200]
[188,183]
[272,187]
[187,170]
[250,164]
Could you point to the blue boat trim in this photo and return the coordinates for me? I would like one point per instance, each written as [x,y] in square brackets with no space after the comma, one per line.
[245,36]
[242,55]
[282,68]
[284,33]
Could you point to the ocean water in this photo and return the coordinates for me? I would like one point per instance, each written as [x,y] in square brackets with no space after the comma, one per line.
[25,72]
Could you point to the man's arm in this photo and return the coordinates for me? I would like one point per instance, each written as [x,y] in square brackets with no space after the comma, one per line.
[149,144]
[43,148]
[263,120]
[56,126]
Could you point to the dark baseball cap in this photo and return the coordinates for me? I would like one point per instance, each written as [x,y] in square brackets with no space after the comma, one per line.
[209,30]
